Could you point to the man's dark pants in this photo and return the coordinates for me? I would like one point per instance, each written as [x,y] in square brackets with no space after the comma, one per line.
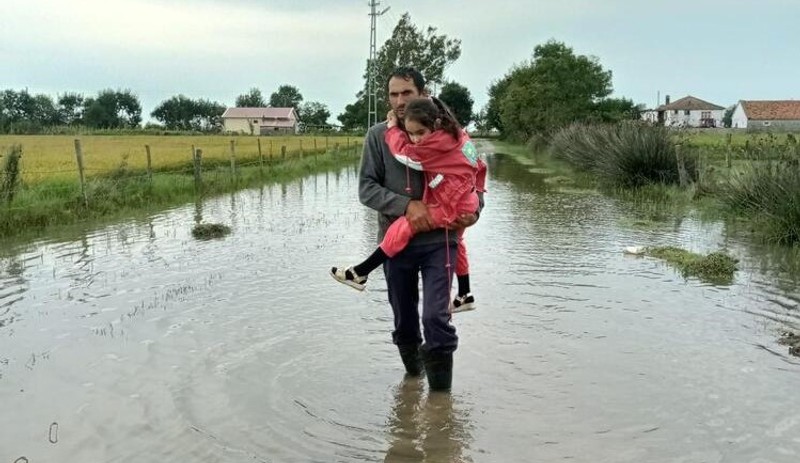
[402,280]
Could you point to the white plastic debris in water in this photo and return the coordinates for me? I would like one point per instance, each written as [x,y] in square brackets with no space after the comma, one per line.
[635,250]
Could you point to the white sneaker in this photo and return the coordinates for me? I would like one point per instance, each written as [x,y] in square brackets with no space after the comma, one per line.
[348,276]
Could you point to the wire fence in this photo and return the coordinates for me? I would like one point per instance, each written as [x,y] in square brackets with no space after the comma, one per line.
[87,181]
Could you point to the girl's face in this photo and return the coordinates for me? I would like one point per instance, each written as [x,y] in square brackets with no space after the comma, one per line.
[416,131]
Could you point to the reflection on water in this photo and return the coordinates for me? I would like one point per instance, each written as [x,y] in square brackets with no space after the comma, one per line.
[144,344]
[426,427]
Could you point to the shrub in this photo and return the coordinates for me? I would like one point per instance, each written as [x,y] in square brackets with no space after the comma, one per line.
[10,174]
[769,192]
[628,154]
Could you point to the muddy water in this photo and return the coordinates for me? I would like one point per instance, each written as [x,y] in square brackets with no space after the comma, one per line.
[134,342]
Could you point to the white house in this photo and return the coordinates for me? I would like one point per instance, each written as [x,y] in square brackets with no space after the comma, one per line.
[755,115]
[261,121]
[650,115]
[690,112]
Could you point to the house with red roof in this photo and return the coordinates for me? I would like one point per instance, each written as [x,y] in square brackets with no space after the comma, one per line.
[765,115]
[261,121]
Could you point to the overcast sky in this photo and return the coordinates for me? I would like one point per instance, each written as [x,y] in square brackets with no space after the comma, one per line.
[717,50]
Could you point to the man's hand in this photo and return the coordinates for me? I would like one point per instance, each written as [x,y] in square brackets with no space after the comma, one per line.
[464,221]
[391,119]
[418,216]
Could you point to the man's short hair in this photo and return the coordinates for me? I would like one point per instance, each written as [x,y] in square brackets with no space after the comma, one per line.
[408,72]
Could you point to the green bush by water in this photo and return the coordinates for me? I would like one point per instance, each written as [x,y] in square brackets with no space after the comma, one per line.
[767,190]
[626,155]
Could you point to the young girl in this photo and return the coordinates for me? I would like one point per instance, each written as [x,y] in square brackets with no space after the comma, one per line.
[453,172]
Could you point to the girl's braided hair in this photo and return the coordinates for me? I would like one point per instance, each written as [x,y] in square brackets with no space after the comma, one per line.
[433,114]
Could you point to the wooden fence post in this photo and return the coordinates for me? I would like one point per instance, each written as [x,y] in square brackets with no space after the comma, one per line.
[233,161]
[79,158]
[198,174]
[728,156]
[260,156]
[682,174]
[149,164]
[283,152]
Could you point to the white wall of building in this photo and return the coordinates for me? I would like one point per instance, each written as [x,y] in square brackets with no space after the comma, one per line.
[739,118]
[239,125]
[679,118]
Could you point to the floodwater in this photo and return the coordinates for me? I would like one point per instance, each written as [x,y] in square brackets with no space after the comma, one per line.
[134,342]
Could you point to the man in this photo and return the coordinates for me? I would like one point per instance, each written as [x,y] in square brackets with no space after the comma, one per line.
[384,186]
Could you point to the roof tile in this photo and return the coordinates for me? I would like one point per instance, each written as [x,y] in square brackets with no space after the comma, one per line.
[775,110]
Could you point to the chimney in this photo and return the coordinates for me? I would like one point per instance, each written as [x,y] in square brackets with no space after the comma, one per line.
[666,101]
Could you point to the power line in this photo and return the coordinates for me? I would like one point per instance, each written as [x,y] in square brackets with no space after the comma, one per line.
[372,101]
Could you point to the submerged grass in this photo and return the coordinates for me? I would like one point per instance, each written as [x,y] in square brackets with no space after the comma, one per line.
[126,192]
[555,171]
[716,267]
[792,340]
[207,231]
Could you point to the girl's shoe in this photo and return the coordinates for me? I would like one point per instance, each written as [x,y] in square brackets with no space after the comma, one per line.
[348,277]
[463,303]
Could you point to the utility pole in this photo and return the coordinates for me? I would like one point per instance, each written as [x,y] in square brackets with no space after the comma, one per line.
[372,102]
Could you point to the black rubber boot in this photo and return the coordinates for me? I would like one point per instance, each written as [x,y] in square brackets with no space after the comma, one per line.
[439,369]
[409,353]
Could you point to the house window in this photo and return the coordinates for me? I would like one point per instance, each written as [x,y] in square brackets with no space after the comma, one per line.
[767,123]
[675,111]
[686,112]
[255,121]
[705,115]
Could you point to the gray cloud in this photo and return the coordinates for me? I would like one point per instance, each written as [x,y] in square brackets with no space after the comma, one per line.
[218,49]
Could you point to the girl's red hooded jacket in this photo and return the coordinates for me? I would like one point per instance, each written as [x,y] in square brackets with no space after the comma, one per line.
[453,170]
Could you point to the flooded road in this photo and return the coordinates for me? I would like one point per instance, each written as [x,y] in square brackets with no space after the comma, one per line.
[135,342]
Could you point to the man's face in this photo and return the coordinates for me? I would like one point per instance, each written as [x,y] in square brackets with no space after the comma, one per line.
[401,91]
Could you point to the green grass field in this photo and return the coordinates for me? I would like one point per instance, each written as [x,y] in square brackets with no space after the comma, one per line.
[47,157]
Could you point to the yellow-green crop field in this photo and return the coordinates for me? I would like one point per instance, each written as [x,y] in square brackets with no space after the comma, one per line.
[53,156]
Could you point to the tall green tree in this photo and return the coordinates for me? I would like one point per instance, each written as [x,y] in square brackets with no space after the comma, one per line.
[183,113]
[555,88]
[112,109]
[459,99]
[614,110]
[314,114]
[424,49]
[22,112]
[355,114]
[287,96]
[481,122]
[70,108]
[44,111]
[496,92]
[727,117]
[252,99]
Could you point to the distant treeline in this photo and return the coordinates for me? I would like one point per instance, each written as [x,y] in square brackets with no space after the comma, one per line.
[121,111]
[24,113]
